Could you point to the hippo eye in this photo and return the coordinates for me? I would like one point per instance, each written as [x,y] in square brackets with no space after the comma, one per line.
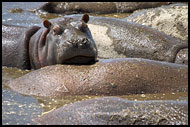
[57,30]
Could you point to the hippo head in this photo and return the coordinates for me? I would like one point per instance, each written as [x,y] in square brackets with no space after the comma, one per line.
[66,41]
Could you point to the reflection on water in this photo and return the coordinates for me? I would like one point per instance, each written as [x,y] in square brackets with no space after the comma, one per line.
[25,18]
[18,109]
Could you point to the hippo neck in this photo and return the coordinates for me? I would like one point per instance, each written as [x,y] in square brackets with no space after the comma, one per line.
[24,47]
[36,46]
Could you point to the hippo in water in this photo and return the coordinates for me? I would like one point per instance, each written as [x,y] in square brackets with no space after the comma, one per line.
[118,111]
[122,76]
[96,7]
[117,38]
[65,41]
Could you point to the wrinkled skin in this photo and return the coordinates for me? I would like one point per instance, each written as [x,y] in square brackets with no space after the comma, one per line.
[118,111]
[62,42]
[106,77]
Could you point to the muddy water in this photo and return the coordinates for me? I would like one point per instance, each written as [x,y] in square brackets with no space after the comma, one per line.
[24,18]
[19,109]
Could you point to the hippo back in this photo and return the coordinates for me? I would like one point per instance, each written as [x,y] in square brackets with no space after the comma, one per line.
[15,45]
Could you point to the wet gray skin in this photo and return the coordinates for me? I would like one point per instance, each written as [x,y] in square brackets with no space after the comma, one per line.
[96,7]
[62,42]
[106,77]
[16,113]
[182,57]
[138,41]
[135,40]
[118,111]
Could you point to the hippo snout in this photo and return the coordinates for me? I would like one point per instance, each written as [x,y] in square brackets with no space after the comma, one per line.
[82,43]
[79,50]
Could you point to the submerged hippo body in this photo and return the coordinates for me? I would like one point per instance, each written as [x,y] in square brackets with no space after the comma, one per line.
[107,77]
[64,41]
[139,41]
[97,7]
[128,39]
[118,111]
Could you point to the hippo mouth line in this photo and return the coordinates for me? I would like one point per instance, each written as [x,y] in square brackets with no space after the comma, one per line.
[80,60]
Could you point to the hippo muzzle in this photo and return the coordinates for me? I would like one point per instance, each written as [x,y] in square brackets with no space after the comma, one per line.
[63,42]
[80,50]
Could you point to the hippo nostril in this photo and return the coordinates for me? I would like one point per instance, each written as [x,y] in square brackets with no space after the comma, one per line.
[82,40]
[79,43]
[82,43]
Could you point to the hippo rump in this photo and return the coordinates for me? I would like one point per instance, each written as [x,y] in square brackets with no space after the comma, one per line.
[128,39]
[117,111]
[96,7]
[122,76]
[66,41]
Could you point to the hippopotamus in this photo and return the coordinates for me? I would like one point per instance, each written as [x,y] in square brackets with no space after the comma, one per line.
[96,7]
[117,38]
[66,41]
[171,19]
[117,111]
[107,77]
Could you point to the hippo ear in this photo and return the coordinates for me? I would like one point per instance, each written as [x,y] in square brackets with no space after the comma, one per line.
[85,18]
[47,24]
